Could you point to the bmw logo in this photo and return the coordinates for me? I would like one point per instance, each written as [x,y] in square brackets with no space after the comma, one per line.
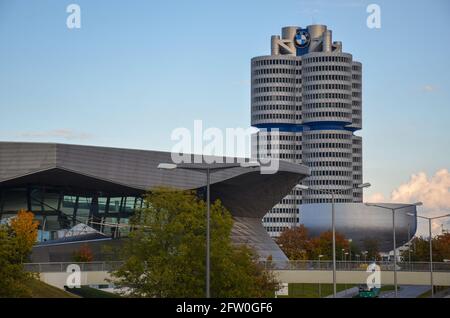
[302,38]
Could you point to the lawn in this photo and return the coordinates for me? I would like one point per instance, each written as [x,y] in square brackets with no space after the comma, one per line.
[88,292]
[302,290]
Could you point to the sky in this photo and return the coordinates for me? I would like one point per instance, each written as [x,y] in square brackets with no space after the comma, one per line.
[137,70]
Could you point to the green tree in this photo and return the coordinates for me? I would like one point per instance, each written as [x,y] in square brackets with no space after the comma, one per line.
[16,241]
[372,248]
[165,254]
[421,249]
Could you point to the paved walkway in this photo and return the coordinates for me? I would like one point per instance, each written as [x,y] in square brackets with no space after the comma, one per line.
[406,291]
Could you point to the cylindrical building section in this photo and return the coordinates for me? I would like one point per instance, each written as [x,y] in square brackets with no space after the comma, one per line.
[288,34]
[327,88]
[328,152]
[274,47]
[276,90]
[327,41]
[357,168]
[356,95]
[276,98]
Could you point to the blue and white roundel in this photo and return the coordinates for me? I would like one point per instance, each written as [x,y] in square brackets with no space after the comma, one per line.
[302,38]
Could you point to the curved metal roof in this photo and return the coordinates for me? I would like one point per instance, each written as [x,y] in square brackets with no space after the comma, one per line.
[246,192]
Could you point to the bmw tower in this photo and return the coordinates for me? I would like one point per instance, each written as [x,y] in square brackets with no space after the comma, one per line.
[308,91]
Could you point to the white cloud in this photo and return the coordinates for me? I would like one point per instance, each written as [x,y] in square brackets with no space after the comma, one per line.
[429,88]
[376,198]
[56,133]
[433,192]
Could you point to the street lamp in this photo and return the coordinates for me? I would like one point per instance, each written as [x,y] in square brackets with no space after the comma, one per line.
[207,168]
[350,249]
[320,291]
[393,233]
[333,221]
[365,255]
[431,244]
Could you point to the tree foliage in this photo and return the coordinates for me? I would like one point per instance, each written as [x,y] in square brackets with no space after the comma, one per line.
[298,245]
[83,254]
[295,243]
[420,249]
[372,249]
[165,254]
[25,228]
[16,241]
[323,245]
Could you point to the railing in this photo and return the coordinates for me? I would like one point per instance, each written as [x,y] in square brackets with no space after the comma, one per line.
[356,266]
[60,267]
[276,265]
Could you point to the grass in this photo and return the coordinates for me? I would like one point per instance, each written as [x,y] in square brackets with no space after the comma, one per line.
[303,290]
[388,288]
[88,292]
[42,290]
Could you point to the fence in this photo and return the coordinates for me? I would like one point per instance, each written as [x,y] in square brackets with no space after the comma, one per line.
[356,266]
[276,265]
[56,267]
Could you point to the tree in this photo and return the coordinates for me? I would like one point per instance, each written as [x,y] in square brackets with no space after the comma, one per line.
[295,243]
[25,230]
[323,245]
[16,241]
[165,254]
[84,254]
[421,249]
[372,248]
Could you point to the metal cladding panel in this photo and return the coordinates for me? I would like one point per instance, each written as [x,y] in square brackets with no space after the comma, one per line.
[18,159]
[132,168]
[359,222]
[251,232]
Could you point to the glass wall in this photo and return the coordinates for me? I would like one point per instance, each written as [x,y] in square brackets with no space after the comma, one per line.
[59,209]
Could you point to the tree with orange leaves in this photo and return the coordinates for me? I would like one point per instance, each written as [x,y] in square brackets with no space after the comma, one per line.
[25,229]
[16,241]
[295,243]
[84,254]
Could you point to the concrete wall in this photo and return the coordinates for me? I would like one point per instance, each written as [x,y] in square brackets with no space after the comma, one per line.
[59,280]
[360,277]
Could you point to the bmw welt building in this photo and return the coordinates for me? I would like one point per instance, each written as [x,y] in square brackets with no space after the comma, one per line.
[68,185]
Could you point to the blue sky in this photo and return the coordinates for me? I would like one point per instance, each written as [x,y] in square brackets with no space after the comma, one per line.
[138,69]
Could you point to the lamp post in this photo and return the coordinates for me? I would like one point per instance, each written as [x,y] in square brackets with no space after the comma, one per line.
[207,168]
[431,244]
[320,291]
[393,233]
[365,255]
[350,249]
[333,221]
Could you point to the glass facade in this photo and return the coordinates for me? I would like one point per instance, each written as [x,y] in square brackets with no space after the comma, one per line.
[60,208]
